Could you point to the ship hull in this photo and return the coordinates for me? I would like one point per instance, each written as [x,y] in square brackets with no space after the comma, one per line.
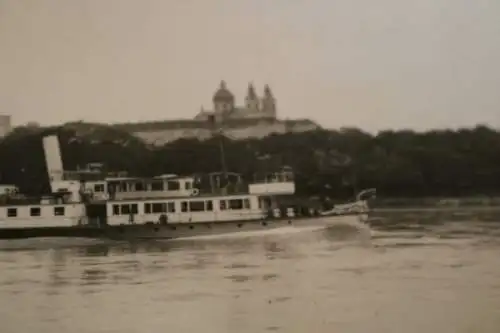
[178,230]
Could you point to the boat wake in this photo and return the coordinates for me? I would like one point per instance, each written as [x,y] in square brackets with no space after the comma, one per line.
[329,225]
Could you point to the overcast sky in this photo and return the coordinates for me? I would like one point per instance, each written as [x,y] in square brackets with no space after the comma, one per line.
[371,64]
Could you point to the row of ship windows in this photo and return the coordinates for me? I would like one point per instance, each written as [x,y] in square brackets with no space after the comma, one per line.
[35,211]
[142,186]
[186,206]
[153,208]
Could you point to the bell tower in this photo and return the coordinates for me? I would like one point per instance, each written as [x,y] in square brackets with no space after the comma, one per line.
[251,100]
[269,103]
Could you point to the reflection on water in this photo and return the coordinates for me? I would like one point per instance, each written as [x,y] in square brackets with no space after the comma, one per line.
[405,273]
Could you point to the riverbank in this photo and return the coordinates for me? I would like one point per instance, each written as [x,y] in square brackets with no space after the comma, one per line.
[430,205]
[479,201]
[444,209]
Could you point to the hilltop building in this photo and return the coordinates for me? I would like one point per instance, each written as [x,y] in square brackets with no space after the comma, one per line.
[257,118]
[225,108]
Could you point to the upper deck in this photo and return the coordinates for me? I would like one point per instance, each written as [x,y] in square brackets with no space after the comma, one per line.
[171,186]
[126,188]
[274,183]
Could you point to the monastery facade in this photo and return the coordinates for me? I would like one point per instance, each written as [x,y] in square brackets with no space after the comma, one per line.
[257,118]
[225,108]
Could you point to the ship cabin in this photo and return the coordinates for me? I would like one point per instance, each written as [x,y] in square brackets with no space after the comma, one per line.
[281,182]
[61,208]
[130,188]
[226,201]
[7,190]
[184,210]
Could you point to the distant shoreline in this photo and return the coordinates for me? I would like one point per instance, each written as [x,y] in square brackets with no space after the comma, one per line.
[433,205]
[453,209]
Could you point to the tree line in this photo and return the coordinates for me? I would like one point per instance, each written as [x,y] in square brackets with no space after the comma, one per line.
[335,163]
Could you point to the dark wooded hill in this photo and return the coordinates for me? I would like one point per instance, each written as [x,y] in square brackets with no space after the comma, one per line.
[329,162]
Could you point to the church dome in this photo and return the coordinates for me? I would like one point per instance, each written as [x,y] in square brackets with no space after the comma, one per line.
[223,94]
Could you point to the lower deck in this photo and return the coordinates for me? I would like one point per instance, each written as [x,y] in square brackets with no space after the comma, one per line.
[190,210]
[187,210]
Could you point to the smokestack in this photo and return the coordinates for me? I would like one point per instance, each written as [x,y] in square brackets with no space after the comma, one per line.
[53,159]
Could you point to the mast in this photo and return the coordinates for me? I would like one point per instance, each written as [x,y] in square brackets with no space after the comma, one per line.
[222,155]
[218,133]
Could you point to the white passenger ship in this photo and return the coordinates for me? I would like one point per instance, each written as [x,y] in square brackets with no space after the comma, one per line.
[84,203]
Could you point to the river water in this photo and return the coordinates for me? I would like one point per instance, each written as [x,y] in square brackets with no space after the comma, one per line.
[405,273]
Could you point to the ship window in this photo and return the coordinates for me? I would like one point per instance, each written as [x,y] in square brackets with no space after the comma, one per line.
[236,204]
[184,206]
[114,186]
[123,187]
[129,209]
[246,203]
[58,211]
[116,210]
[170,207]
[139,186]
[210,205]
[159,207]
[11,212]
[188,185]
[147,208]
[98,188]
[35,211]
[125,209]
[197,206]
[223,205]
[157,186]
[173,185]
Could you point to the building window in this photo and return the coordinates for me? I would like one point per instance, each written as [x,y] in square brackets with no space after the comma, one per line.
[236,204]
[11,212]
[188,186]
[197,206]
[159,207]
[116,210]
[184,206]
[147,208]
[210,205]
[134,209]
[58,211]
[170,207]
[35,211]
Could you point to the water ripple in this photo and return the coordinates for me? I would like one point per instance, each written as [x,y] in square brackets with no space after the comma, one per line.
[406,273]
